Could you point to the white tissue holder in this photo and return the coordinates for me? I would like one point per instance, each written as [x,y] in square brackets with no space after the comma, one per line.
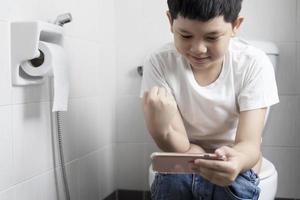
[25,37]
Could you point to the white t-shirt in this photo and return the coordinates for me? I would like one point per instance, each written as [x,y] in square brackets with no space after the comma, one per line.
[210,113]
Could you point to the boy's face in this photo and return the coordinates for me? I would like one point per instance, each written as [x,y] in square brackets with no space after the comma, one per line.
[203,44]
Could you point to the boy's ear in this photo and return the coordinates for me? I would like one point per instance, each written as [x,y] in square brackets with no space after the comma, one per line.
[170,20]
[237,24]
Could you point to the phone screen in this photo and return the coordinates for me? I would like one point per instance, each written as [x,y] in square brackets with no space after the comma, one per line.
[177,162]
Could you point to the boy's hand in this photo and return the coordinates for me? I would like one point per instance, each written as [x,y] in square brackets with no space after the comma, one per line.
[221,173]
[160,107]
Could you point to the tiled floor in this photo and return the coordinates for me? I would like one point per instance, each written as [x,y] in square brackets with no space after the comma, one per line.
[142,195]
[129,194]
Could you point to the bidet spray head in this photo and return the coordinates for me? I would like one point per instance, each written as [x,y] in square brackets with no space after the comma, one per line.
[63,19]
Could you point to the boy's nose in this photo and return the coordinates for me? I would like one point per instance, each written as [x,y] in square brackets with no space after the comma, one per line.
[198,48]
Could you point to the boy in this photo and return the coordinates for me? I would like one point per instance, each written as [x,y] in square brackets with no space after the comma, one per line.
[208,92]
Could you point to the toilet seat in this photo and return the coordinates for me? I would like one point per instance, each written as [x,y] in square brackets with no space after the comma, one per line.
[267,169]
[268,180]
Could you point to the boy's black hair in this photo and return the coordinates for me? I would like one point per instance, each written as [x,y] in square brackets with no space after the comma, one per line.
[205,10]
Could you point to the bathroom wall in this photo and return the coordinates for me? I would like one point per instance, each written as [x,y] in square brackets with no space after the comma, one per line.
[104,50]
[142,26]
[26,146]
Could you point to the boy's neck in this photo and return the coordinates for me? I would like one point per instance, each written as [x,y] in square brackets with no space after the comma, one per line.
[205,77]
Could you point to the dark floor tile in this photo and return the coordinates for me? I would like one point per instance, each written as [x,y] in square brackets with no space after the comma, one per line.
[112,196]
[143,195]
[147,195]
[130,195]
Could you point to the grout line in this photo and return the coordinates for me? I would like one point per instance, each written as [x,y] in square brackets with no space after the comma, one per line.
[49,170]
[282,146]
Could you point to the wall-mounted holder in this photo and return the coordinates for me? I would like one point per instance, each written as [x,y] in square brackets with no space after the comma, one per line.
[140,70]
[25,37]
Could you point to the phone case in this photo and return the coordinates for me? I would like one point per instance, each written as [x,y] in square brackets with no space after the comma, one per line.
[177,162]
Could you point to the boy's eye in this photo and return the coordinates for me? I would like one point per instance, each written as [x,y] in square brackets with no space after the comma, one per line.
[212,38]
[186,36]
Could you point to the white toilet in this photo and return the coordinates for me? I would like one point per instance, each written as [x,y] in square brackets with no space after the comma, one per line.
[268,174]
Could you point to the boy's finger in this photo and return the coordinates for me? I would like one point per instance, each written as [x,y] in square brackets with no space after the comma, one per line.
[224,151]
[153,92]
[161,92]
[145,96]
[217,165]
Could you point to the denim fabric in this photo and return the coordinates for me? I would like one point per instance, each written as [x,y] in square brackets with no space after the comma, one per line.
[192,187]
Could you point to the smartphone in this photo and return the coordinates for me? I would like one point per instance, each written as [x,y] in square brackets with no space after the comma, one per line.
[178,162]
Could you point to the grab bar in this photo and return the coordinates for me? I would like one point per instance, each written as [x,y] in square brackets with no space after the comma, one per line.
[140,70]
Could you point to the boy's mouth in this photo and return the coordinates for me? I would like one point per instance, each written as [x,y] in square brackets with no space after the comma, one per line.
[199,59]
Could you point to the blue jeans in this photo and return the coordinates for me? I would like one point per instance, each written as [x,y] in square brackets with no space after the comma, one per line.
[192,187]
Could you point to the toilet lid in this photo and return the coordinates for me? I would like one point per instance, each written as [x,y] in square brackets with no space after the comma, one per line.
[267,169]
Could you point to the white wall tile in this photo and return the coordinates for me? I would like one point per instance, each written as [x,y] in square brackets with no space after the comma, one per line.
[298,21]
[84,67]
[73,177]
[154,11]
[276,24]
[54,184]
[92,73]
[30,94]
[90,177]
[5,84]
[130,120]
[39,187]
[149,149]
[8,194]
[108,168]
[297,119]
[107,23]
[86,18]
[84,129]
[5,9]
[281,125]
[128,80]
[126,16]
[131,169]
[6,148]
[106,120]
[297,174]
[155,18]
[32,10]
[288,76]
[49,186]
[298,58]
[29,190]
[284,160]
[141,36]
[32,140]
[107,72]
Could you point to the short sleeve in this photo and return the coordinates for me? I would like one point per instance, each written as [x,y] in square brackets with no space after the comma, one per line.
[259,87]
[153,75]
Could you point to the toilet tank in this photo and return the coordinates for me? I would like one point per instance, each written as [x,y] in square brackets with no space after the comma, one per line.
[270,49]
[273,52]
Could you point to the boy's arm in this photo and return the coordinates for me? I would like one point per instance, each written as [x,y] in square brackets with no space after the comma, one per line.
[164,122]
[248,137]
[242,156]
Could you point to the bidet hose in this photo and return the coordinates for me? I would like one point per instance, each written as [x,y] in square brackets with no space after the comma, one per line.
[56,116]
[61,155]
